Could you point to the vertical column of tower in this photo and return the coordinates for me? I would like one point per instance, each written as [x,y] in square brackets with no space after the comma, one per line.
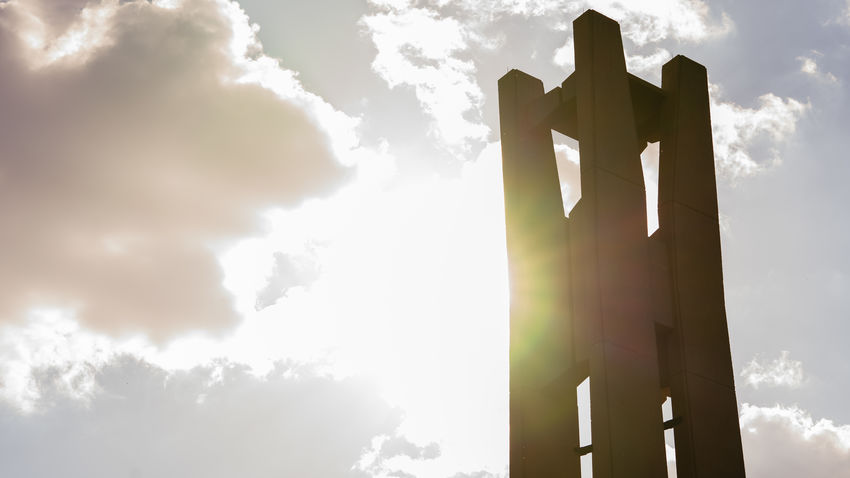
[708,439]
[543,411]
[611,222]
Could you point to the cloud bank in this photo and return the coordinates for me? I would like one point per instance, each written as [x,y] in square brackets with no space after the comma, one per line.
[132,144]
[214,421]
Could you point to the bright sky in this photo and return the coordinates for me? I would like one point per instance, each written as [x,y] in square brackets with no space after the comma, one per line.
[250,238]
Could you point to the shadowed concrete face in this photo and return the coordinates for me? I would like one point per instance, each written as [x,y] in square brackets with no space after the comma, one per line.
[592,295]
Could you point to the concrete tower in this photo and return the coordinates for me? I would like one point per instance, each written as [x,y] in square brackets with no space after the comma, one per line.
[592,295]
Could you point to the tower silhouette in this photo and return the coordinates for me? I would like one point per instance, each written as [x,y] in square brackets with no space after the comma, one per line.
[592,296]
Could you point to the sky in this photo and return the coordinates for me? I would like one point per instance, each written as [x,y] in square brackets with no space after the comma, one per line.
[253,238]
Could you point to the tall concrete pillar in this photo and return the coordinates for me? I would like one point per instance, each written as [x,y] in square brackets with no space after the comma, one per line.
[543,413]
[708,439]
[628,438]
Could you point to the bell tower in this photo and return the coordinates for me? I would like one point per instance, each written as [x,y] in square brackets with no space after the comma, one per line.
[592,296]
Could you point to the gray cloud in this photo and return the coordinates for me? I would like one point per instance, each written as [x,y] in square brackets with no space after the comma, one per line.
[122,163]
[212,421]
[289,271]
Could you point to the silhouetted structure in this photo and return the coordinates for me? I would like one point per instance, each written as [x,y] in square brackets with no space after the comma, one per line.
[592,295]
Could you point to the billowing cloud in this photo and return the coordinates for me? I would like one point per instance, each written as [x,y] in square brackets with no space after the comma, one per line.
[780,372]
[747,140]
[134,138]
[786,441]
[217,420]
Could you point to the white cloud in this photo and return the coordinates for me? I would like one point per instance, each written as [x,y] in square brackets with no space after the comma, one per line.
[565,56]
[645,23]
[569,177]
[739,131]
[786,441]
[809,66]
[648,21]
[641,21]
[526,8]
[418,48]
[780,372]
[651,63]
[82,38]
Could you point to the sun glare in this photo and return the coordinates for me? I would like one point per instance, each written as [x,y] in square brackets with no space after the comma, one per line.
[412,293]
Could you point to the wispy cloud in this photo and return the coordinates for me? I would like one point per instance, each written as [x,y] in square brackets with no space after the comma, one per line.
[809,66]
[420,49]
[779,372]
